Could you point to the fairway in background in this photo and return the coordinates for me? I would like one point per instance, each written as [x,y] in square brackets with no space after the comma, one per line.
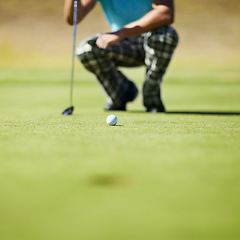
[34,34]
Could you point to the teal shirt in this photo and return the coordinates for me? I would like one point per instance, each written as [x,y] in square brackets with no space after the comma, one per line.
[121,12]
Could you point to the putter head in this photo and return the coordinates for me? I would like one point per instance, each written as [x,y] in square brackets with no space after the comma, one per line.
[68,111]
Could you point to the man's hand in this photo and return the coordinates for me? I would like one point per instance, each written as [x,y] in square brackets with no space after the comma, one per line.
[84,7]
[106,40]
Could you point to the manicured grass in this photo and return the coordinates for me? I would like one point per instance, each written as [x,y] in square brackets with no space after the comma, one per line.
[172,176]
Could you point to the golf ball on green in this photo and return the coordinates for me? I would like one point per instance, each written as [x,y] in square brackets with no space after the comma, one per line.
[112,120]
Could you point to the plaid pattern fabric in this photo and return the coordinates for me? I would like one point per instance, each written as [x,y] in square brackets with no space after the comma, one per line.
[153,49]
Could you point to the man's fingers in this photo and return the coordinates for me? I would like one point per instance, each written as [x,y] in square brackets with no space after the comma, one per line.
[101,43]
[106,40]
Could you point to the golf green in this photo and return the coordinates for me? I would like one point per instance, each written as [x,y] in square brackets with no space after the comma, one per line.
[167,176]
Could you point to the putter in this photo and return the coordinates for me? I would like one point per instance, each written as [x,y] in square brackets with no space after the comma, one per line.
[69,110]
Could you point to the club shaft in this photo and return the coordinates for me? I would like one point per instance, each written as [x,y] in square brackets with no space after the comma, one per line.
[75,13]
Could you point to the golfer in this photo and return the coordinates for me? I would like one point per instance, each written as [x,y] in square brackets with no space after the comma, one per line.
[141,34]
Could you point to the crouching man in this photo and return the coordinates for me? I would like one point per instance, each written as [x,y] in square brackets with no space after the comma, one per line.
[141,34]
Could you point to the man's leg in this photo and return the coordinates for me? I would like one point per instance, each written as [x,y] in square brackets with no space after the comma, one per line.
[104,63]
[159,46]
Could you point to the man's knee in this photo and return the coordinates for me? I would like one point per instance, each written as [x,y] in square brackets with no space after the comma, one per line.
[92,57]
[86,48]
[164,38]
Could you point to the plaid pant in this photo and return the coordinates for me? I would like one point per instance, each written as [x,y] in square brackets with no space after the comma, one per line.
[153,49]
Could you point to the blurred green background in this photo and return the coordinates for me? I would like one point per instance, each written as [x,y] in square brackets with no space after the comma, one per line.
[34,32]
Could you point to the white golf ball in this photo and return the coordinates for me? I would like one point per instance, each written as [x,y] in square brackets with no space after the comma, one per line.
[112,120]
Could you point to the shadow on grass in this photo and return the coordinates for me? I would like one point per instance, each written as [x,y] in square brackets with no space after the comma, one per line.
[204,113]
[108,180]
[194,112]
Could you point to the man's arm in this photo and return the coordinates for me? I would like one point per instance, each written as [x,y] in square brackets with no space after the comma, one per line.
[161,15]
[85,6]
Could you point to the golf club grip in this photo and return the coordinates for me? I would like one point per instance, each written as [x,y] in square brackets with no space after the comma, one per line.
[75,10]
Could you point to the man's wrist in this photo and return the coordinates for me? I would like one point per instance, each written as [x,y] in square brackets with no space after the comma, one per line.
[122,33]
[127,32]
